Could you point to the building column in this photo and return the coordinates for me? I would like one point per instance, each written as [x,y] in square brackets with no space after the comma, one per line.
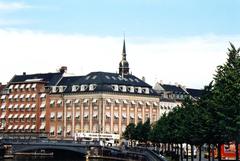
[120,118]
[135,113]
[81,116]
[64,118]
[150,112]
[112,116]
[102,120]
[143,113]
[73,119]
[90,116]
[128,113]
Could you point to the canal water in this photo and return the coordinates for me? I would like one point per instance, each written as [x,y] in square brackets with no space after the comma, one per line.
[47,158]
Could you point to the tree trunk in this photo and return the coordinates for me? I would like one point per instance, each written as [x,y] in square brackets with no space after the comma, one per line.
[212,152]
[192,154]
[165,148]
[236,146]
[177,149]
[200,153]
[219,152]
[181,152]
[209,151]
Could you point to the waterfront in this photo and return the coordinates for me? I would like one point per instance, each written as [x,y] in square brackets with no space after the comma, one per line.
[65,158]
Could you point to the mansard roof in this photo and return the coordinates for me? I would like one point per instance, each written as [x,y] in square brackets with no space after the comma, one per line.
[48,78]
[173,88]
[196,93]
[104,81]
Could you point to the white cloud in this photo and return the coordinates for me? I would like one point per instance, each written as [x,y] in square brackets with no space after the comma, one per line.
[13,5]
[9,22]
[189,61]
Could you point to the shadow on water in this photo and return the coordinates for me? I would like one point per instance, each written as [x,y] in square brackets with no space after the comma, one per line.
[59,155]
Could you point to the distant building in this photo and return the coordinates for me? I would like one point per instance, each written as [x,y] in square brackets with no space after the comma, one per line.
[171,96]
[2,87]
[62,106]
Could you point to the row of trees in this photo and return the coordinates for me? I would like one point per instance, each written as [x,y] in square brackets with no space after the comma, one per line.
[139,132]
[214,119]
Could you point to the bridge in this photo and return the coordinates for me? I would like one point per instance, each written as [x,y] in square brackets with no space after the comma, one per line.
[20,146]
[21,143]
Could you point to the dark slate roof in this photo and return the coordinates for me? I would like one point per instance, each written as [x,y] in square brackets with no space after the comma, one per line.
[196,93]
[49,78]
[114,78]
[71,80]
[173,88]
[104,82]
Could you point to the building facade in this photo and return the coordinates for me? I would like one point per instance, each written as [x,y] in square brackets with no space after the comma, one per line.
[172,96]
[62,106]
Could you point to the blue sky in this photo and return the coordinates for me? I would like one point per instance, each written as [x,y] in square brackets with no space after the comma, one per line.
[141,18]
[170,40]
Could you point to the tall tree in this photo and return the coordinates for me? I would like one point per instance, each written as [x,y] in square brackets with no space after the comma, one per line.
[227,98]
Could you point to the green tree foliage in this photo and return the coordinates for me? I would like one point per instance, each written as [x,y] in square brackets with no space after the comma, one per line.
[129,133]
[146,128]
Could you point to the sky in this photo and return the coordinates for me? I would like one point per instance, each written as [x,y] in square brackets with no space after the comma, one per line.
[166,40]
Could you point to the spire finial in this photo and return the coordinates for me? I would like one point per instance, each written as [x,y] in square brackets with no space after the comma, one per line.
[124,49]
[123,65]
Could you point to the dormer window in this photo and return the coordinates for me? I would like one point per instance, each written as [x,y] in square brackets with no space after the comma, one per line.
[83,87]
[75,88]
[123,88]
[54,89]
[138,89]
[92,87]
[61,88]
[115,87]
[146,90]
[131,89]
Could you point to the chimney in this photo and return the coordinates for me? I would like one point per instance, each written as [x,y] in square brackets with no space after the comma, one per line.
[143,79]
[63,69]
[24,73]
[161,81]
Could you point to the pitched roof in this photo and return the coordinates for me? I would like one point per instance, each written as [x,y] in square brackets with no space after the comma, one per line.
[49,78]
[173,88]
[196,93]
[104,82]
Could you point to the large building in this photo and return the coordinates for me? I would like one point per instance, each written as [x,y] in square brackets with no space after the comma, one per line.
[62,107]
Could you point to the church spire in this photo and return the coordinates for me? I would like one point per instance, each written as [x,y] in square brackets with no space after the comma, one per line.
[123,65]
[124,50]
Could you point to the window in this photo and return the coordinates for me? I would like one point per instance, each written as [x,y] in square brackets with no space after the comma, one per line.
[52,116]
[95,114]
[22,87]
[77,103]
[77,115]
[59,103]
[52,103]
[52,131]
[116,115]
[43,96]
[59,115]
[69,116]
[85,115]
[108,115]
